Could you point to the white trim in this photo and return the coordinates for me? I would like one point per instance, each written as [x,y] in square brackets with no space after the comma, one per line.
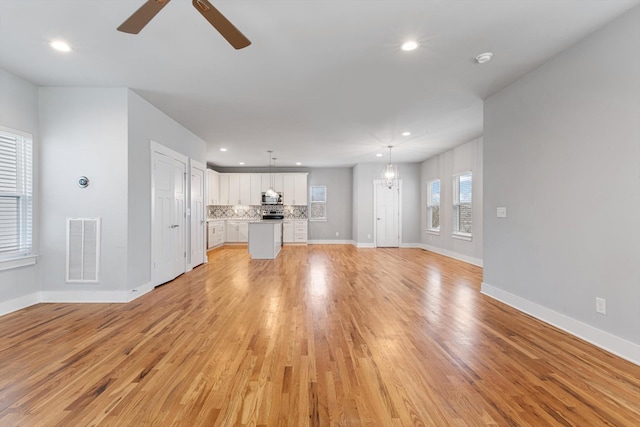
[365,245]
[605,340]
[84,296]
[19,303]
[23,261]
[139,291]
[411,245]
[330,242]
[433,232]
[462,236]
[452,254]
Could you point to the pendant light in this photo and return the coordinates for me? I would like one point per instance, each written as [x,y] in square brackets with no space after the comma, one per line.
[390,175]
[271,192]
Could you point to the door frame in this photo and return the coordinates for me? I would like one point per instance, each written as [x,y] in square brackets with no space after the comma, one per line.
[157,147]
[377,182]
[190,215]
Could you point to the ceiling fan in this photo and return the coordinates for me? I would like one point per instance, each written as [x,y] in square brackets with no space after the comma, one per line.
[147,11]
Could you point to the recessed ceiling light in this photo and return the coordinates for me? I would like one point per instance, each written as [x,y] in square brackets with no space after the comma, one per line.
[484,57]
[223,149]
[242,163]
[379,155]
[409,45]
[60,46]
[298,163]
[406,133]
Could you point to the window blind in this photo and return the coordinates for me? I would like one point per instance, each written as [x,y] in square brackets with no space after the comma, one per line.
[16,193]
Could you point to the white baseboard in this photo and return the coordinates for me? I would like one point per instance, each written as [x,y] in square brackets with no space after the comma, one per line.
[139,291]
[411,245]
[609,342]
[451,254]
[364,245]
[84,296]
[19,303]
[330,242]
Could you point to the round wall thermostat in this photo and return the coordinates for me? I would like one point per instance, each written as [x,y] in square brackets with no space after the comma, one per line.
[83,182]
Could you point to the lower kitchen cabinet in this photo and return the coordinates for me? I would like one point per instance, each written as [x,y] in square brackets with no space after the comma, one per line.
[294,231]
[300,231]
[237,232]
[287,232]
[215,233]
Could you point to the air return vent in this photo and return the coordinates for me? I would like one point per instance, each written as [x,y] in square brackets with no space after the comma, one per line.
[83,250]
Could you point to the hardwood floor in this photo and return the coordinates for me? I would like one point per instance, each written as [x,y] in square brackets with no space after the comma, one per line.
[322,336]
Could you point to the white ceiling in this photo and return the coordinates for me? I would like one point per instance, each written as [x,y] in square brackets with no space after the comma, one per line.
[324,82]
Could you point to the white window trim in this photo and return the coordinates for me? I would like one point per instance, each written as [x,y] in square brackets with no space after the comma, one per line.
[311,202]
[23,261]
[460,235]
[430,230]
[24,257]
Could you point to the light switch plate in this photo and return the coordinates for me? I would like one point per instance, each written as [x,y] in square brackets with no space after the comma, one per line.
[501,212]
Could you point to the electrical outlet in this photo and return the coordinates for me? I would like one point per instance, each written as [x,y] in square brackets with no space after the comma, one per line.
[337,234]
[601,306]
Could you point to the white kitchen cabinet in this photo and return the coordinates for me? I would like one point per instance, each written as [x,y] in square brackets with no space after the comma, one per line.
[275,179]
[300,228]
[213,187]
[294,231]
[224,189]
[295,189]
[237,232]
[255,198]
[239,189]
[287,232]
[215,234]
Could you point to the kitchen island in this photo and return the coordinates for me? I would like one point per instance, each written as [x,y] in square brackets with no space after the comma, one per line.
[265,239]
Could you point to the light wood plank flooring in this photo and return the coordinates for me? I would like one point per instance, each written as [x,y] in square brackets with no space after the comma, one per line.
[322,336]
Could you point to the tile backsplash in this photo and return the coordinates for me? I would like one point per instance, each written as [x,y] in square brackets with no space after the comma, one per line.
[253,212]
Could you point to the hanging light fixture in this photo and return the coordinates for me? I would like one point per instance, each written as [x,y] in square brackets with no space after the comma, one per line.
[271,192]
[390,175]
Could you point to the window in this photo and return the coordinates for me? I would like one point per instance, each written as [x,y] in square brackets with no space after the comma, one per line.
[318,203]
[462,215]
[433,206]
[15,194]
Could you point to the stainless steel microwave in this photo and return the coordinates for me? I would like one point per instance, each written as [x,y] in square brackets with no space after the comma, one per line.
[272,200]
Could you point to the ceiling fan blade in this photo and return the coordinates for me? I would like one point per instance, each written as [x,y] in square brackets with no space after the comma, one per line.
[142,16]
[222,24]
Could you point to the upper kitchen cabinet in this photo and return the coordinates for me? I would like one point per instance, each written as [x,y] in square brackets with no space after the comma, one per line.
[256,189]
[213,187]
[224,189]
[295,188]
[239,189]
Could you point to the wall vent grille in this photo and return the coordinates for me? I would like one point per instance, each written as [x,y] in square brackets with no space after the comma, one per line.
[83,250]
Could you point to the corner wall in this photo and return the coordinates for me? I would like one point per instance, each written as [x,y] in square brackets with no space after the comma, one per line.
[83,133]
[562,154]
[19,287]
[467,157]
[339,183]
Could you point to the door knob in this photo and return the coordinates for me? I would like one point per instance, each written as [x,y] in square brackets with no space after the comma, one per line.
[378,219]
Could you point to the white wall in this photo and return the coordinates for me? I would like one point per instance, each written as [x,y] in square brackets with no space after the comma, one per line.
[19,110]
[363,176]
[467,157]
[562,153]
[83,132]
[147,123]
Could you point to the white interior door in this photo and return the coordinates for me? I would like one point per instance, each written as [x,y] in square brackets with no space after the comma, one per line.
[179,212]
[387,215]
[198,223]
[168,184]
